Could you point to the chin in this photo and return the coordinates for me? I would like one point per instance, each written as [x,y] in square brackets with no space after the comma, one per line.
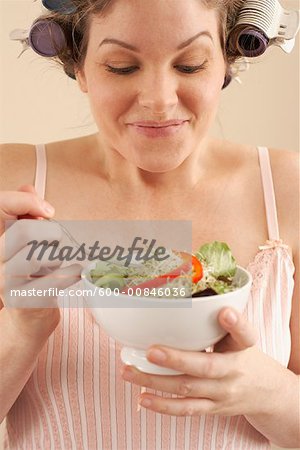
[159,166]
[156,157]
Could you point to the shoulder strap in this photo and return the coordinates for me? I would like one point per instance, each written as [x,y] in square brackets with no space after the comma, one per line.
[269,194]
[41,170]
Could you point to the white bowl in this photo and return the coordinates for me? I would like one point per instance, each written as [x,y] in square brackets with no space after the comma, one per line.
[184,323]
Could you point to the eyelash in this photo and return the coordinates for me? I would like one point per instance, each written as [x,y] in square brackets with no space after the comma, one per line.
[128,70]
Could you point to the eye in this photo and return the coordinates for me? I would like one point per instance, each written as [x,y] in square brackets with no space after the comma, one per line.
[121,70]
[190,69]
[130,69]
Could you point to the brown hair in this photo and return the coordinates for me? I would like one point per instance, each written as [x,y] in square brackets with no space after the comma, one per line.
[76,29]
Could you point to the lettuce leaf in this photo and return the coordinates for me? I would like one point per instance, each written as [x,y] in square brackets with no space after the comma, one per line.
[218,256]
[221,287]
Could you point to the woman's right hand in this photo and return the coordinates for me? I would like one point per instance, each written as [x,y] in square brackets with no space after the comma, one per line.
[35,322]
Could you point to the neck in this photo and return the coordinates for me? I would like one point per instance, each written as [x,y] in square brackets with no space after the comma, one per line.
[120,172]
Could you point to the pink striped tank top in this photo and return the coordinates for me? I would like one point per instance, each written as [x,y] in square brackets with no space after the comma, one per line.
[76,398]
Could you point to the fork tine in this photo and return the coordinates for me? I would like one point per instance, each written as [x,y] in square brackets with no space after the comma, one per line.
[66,232]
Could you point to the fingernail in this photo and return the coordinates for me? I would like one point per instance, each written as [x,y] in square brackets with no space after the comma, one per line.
[145,402]
[47,208]
[128,375]
[230,318]
[157,355]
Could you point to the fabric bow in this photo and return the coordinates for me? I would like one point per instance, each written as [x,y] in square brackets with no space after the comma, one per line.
[273,244]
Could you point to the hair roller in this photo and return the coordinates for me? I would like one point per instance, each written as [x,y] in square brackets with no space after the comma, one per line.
[60,6]
[247,41]
[259,24]
[47,38]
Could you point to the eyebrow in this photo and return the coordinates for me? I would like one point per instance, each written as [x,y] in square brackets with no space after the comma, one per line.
[135,49]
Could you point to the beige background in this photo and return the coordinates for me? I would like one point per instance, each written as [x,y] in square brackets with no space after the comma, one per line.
[40,104]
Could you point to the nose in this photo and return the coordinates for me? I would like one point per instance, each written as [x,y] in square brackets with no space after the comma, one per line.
[158,92]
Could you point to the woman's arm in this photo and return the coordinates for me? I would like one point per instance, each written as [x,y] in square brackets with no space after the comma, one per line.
[18,353]
[282,424]
[23,330]
[241,381]
[286,175]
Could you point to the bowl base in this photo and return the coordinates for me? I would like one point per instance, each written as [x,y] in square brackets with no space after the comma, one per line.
[137,357]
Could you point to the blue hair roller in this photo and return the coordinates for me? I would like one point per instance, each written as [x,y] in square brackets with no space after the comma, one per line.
[60,6]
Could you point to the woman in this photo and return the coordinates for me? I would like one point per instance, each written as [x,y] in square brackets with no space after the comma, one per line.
[154,94]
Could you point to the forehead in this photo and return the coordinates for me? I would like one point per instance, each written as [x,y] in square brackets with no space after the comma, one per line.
[153,22]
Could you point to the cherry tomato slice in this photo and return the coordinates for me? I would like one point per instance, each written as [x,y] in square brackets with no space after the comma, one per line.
[189,261]
[197,269]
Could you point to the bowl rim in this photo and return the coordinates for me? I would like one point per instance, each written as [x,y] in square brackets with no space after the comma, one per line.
[161,300]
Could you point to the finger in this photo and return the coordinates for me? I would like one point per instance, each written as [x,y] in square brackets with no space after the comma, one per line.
[196,364]
[60,278]
[178,407]
[183,385]
[242,335]
[14,204]
[22,232]
[18,269]
[41,292]
[28,188]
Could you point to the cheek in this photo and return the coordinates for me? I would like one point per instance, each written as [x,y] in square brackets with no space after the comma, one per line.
[203,93]
[203,100]
[108,99]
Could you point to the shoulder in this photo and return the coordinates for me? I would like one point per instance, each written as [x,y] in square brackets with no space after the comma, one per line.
[18,161]
[285,166]
[284,162]
[286,172]
[17,165]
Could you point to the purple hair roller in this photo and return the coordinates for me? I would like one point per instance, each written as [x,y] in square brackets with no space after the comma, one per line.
[61,6]
[252,43]
[46,38]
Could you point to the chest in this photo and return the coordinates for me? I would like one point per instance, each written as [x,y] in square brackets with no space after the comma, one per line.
[233,214]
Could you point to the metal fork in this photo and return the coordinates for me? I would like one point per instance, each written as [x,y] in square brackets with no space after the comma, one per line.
[66,232]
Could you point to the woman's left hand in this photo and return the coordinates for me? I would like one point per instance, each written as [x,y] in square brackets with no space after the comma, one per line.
[236,379]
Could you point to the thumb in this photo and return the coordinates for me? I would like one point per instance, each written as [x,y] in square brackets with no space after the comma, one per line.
[27,188]
[241,335]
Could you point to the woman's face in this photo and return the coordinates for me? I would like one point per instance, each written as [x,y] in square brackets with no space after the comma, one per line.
[153,74]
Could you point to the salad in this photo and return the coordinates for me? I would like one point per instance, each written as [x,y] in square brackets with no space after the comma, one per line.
[210,271]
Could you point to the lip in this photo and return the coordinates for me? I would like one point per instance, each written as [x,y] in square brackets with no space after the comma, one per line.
[153,124]
[158,129]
